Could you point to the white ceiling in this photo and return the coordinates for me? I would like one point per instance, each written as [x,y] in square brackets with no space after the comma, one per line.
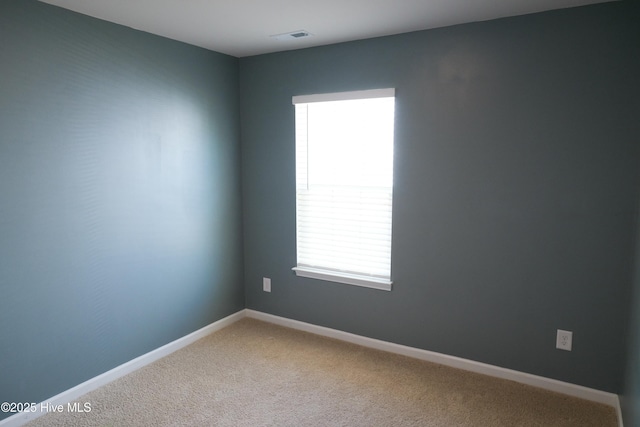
[243,27]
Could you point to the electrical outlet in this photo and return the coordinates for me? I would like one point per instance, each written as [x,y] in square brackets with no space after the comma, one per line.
[266,284]
[564,340]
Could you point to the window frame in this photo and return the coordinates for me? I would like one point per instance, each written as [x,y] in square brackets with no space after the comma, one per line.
[369,281]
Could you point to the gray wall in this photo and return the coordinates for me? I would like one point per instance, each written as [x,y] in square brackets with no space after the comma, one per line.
[516,167]
[120,208]
[630,398]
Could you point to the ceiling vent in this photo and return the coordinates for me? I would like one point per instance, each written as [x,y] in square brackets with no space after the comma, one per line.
[293,35]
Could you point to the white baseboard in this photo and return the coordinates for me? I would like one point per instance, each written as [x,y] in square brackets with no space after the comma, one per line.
[430,356]
[574,390]
[119,371]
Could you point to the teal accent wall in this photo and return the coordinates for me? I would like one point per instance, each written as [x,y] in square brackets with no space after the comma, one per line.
[120,207]
[516,171]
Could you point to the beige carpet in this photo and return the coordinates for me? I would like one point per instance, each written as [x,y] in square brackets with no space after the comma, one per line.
[257,374]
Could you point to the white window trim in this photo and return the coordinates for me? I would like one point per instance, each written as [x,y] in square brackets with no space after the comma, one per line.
[331,275]
[341,277]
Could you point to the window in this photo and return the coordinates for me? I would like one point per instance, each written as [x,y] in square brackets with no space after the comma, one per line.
[344,186]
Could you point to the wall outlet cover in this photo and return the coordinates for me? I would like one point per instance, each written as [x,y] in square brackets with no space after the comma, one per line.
[564,340]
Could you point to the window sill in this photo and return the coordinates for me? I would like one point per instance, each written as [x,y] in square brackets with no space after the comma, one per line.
[346,278]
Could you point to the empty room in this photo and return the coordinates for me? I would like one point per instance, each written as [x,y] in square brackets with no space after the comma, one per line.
[336,213]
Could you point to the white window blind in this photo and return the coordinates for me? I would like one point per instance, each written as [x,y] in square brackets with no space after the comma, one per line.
[344,186]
